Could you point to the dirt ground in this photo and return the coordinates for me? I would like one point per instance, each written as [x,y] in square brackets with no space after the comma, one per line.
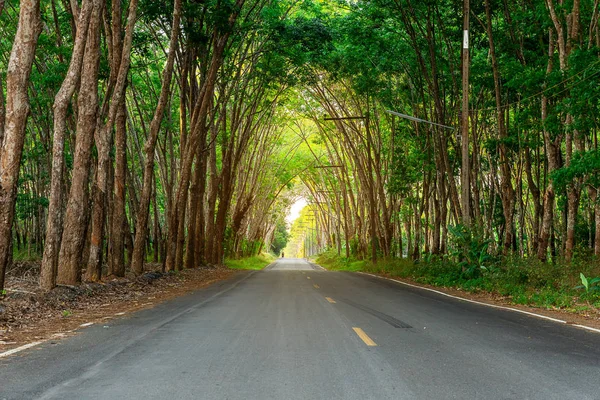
[28,314]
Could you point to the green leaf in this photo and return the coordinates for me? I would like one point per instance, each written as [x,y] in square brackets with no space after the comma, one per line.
[585,282]
[594,281]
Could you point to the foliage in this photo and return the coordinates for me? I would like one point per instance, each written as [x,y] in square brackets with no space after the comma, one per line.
[584,165]
[253,263]
[469,251]
[280,238]
[591,285]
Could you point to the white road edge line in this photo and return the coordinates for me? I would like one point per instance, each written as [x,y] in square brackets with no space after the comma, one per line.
[484,304]
[589,328]
[18,349]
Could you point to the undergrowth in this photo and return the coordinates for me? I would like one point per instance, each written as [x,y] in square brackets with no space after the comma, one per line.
[255,263]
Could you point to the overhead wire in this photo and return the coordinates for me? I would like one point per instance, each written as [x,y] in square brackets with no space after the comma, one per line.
[537,95]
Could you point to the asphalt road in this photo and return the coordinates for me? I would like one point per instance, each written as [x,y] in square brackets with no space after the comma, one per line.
[294,331]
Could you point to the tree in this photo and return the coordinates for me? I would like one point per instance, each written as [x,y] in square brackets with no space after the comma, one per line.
[15,120]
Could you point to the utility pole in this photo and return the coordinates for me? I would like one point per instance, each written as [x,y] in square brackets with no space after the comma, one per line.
[305,247]
[317,239]
[371,194]
[465,171]
[310,241]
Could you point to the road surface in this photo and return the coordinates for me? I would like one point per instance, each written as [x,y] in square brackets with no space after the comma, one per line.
[294,331]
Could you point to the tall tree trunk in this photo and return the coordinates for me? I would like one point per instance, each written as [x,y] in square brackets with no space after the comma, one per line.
[552,156]
[101,188]
[198,128]
[76,215]
[567,37]
[573,197]
[548,213]
[200,229]
[139,245]
[181,234]
[2,114]
[507,191]
[211,200]
[61,104]
[190,252]
[597,233]
[117,254]
[121,60]
[103,138]
[157,235]
[536,194]
[17,111]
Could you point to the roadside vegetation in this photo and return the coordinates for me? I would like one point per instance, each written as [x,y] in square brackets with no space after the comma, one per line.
[254,263]
[519,281]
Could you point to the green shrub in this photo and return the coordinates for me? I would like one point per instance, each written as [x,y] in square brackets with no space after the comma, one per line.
[470,251]
[254,263]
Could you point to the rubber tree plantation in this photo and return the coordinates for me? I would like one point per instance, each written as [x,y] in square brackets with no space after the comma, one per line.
[457,138]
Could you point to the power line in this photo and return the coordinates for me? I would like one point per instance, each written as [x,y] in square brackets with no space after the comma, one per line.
[535,96]
[417,119]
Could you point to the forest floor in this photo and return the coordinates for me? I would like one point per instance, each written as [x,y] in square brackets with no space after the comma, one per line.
[29,314]
[561,302]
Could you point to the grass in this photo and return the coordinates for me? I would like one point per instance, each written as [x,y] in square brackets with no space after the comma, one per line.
[253,263]
[26,253]
[522,281]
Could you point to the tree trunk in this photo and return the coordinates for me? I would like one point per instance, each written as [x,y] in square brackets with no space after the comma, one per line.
[507,191]
[61,104]
[117,255]
[139,245]
[17,111]
[536,194]
[211,200]
[2,114]
[552,156]
[567,41]
[76,215]
[196,192]
[181,233]
[200,230]
[100,191]
[597,223]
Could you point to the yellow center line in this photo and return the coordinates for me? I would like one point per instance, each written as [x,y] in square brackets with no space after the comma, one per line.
[317,286]
[329,299]
[365,338]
